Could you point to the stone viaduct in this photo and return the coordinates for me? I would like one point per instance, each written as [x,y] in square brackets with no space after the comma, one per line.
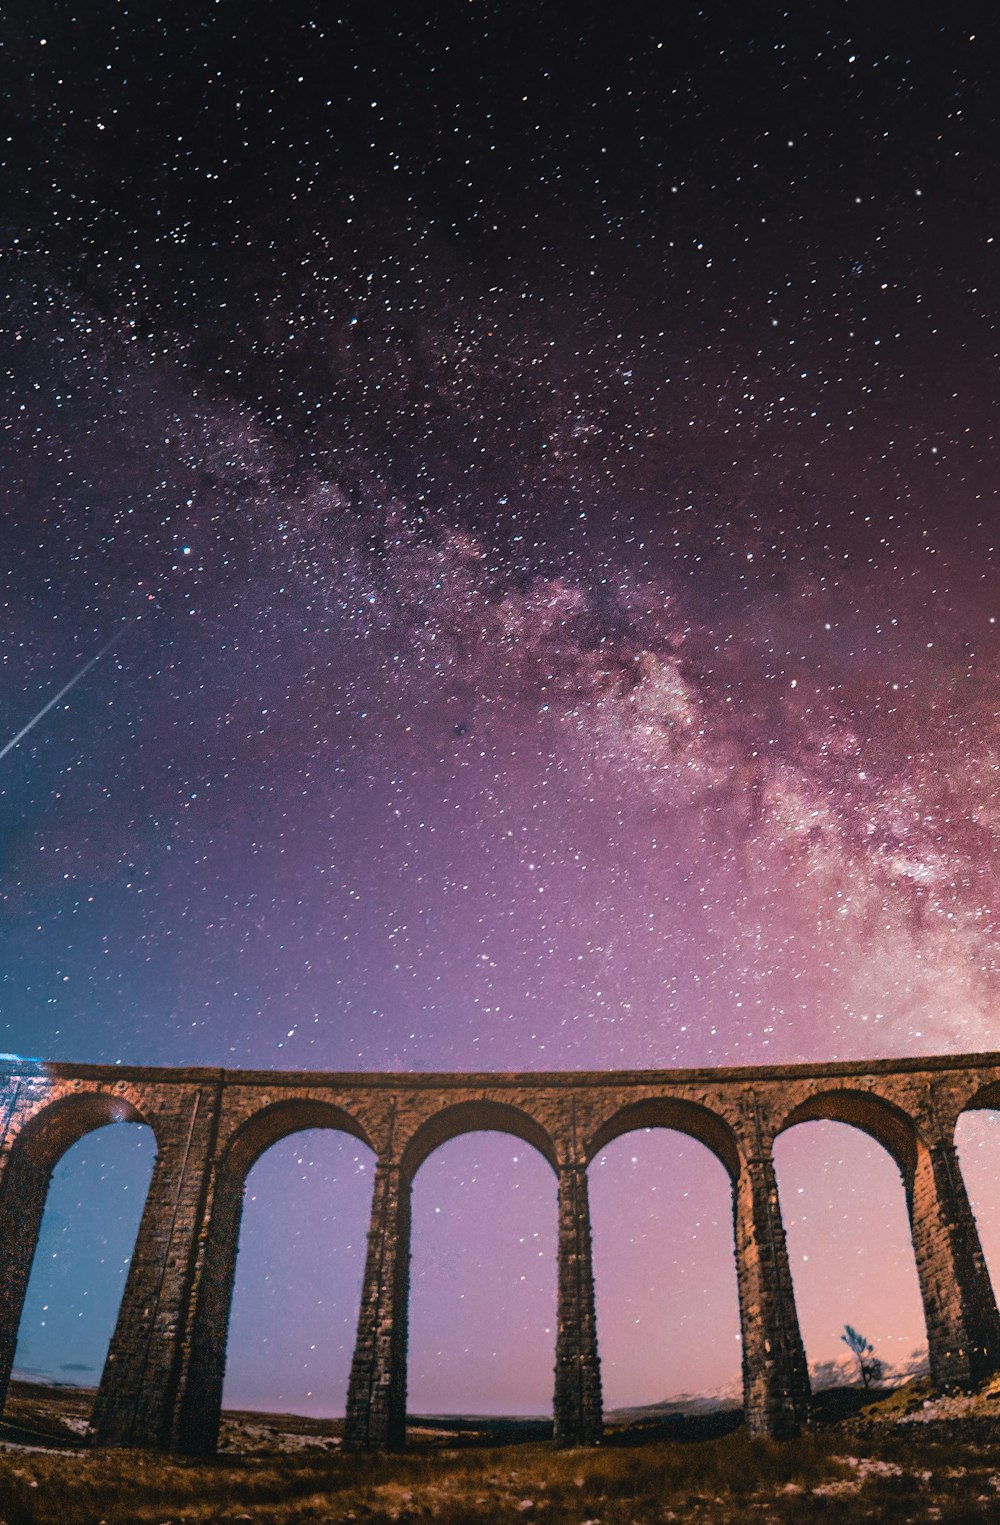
[162,1381]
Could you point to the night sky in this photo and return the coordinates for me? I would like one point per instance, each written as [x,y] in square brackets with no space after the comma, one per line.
[537,468]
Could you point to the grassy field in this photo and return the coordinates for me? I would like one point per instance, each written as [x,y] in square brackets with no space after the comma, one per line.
[867,1466]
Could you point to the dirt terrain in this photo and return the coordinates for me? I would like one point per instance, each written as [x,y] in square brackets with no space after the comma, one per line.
[901,1455]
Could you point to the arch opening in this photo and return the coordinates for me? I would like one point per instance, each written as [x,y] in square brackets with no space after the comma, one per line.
[483,1279]
[297,1288]
[664,1270]
[74,1281]
[200,1406]
[850,1249]
[977,1141]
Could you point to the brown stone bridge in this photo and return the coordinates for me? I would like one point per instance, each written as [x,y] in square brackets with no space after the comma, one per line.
[162,1381]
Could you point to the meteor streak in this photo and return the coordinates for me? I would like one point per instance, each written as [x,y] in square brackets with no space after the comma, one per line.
[84,670]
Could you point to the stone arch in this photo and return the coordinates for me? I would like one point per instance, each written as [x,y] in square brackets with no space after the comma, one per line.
[60,1122]
[986,1098]
[674,1112]
[641,1198]
[871,1113]
[480,1116]
[275,1121]
[201,1406]
[376,1414]
[35,1151]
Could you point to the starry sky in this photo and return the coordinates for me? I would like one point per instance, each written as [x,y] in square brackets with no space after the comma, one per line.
[537,474]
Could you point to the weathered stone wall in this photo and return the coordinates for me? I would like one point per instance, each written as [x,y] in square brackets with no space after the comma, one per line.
[162,1382]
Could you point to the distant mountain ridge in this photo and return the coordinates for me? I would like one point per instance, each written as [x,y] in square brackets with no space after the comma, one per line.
[839,1372]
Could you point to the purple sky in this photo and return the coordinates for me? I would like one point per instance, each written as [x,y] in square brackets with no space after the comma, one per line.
[543,482]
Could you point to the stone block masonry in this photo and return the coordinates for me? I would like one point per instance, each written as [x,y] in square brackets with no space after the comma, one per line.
[162,1381]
